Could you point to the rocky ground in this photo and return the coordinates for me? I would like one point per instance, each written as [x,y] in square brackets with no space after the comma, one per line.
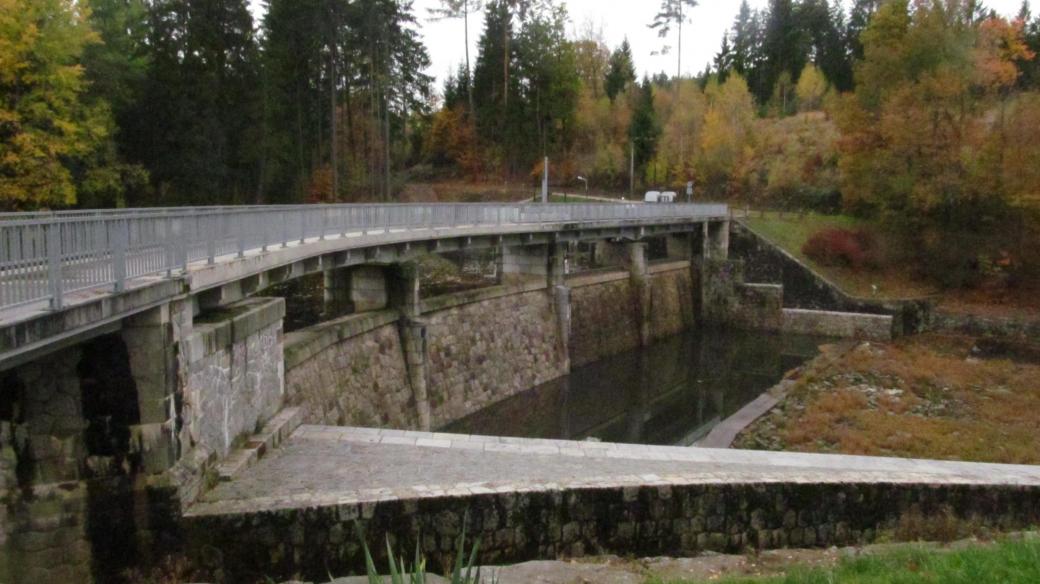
[920,397]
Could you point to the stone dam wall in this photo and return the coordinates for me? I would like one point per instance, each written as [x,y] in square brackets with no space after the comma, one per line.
[478,347]
[807,290]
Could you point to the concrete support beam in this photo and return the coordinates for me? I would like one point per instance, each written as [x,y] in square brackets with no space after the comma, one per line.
[561,294]
[367,288]
[637,271]
[150,339]
[716,240]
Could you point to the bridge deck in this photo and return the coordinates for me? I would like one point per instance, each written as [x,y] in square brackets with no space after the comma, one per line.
[328,466]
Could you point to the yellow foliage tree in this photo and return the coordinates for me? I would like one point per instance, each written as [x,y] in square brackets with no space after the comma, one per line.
[46,125]
[811,88]
[726,140]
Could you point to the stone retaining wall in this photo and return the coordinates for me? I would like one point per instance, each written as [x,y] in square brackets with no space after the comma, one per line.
[806,289]
[672,289]
[350,371]
[488,350]
[604,318]
[651,518]
[233,372]
[870,327]
[1024,329]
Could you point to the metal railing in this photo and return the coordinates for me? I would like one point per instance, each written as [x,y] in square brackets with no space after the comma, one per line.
[44,256]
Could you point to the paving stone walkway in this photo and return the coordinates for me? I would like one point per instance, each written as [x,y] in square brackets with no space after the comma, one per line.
[321,466]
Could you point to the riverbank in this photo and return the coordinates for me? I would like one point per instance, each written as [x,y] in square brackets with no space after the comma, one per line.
[922,397]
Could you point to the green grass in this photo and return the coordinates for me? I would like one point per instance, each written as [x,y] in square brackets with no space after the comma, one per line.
[792,231]
[1010,562]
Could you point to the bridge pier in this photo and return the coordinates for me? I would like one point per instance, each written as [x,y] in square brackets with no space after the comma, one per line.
[406,299]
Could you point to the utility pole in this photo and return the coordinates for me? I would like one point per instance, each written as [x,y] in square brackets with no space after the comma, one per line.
[631,169]
[545,181]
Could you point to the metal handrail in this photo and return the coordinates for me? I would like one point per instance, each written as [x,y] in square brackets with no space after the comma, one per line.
[46,255]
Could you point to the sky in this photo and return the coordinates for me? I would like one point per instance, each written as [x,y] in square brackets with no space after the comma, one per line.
[617,19]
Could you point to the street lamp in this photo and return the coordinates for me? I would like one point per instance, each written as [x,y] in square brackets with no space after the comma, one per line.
[586,181]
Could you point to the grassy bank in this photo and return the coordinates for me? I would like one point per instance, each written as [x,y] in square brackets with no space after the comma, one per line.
[1010,562]
[791,231]
[920,397]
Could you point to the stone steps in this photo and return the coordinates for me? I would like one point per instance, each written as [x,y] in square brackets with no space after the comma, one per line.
[275,431]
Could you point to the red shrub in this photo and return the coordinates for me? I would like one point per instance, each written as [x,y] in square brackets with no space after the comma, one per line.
[842,247]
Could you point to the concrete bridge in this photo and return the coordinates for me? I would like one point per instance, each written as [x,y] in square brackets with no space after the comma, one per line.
[137,361]
[145,383]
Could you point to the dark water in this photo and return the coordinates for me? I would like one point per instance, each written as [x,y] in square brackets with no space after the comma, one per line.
[673,392]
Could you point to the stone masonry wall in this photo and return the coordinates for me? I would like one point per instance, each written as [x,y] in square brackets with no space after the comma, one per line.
[232,370]
[650,519]
[356,378]
[671,301]
[486,351]
[43,537]
[603,318]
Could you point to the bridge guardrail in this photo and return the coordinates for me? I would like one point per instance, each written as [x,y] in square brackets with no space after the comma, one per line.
[44,256]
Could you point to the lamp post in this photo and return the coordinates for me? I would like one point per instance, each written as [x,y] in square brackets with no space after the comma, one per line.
[584,180]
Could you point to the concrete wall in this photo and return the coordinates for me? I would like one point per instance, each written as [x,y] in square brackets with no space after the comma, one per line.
[233,371]
[873,327]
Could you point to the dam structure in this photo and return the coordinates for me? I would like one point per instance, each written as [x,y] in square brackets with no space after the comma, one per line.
[153,401]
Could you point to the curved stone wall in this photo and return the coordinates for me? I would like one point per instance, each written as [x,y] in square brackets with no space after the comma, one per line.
[350,372]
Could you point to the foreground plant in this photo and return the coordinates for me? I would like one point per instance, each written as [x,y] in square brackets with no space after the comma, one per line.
[463,571]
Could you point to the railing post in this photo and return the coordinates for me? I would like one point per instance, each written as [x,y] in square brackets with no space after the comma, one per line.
[182,249]
[54,283]
[211,240]
[120,241]
[240,236]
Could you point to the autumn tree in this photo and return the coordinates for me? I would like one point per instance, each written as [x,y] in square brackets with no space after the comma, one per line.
[50,133]
[592,58]
[811,88]
[932,78]
[726,137]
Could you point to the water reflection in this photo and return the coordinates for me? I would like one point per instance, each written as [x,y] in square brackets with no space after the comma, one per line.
[673,392]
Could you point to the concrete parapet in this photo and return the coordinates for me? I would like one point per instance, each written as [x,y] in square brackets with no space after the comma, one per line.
[872,327]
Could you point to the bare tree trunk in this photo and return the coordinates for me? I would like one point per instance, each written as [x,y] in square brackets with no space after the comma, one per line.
[333,160]
[386,113]
[469,72]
